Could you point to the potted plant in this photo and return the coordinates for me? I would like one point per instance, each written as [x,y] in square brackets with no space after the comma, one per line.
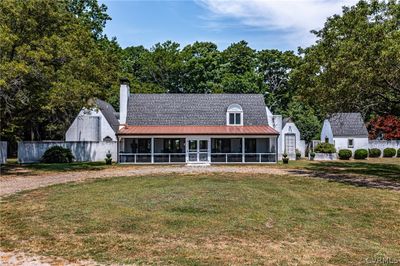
[285,159]
[108,158]
[312,155]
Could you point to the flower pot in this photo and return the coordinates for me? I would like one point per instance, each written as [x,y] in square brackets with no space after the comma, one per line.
[285,160]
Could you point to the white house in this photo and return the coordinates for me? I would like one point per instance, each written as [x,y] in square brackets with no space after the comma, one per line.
[188,128]
[99,123]
[345,131]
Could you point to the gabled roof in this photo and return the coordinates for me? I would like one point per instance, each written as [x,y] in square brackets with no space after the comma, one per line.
[348,124]
[286,120]
[193,109]
[109,113]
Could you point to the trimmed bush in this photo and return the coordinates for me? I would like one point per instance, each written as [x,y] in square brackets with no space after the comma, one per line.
[325,148]
[298,154]
[389,152]
[345,154]
[398,153]
[360,154]
[57,154]
[375,153]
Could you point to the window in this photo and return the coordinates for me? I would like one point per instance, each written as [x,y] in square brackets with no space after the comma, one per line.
[350,143]
[234,115]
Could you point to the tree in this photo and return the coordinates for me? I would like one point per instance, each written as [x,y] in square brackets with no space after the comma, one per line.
[386,127]
[50,64]
[354,66]
[305,118]
[238,58]
[201,67]
[163,67]
[275,68]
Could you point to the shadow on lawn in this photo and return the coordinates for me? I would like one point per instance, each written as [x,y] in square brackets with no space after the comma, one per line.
[364,174]
[36,168]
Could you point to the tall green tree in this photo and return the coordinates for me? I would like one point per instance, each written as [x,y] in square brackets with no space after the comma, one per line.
[201,68]
[163,67]
[275,68]
[50,65]
[355,63]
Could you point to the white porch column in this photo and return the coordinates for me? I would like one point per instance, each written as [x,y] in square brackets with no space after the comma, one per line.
[243,150]
[152,150]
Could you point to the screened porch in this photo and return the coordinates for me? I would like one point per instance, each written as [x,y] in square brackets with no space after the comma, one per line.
[197,149]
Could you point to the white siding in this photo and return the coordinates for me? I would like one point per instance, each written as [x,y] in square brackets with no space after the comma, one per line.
[327,132]
[358,143]
[290,128]
[89,125]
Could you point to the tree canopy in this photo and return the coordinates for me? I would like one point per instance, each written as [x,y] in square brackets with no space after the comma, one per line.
[355,63]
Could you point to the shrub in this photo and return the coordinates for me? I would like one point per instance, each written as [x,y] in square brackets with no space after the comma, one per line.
[108,158]
[57,154]
[398,153]
[345,154]
[325,148]
[361,154]
[375,153]
[298,154]
[389,152]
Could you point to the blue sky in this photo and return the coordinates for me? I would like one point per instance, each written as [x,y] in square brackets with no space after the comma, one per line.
[264,24]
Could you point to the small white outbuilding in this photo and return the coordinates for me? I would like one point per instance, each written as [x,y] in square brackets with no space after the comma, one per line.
[345,131]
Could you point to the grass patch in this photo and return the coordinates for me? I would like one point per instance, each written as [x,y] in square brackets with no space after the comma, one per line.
[13,168]
[386,168]
[205,219]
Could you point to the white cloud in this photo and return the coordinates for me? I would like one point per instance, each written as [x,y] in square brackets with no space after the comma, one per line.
[294,18]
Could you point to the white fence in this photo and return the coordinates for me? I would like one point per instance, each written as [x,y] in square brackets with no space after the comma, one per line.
[3,152]
[32,151]
[382,144]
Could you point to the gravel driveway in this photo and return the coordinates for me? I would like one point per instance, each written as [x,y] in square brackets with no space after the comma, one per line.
[14,183]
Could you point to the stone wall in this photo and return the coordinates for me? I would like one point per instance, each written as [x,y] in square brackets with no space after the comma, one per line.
[3,152]
[89,151]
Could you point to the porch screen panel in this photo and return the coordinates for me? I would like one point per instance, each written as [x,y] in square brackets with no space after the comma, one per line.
[226,150]
[169,150]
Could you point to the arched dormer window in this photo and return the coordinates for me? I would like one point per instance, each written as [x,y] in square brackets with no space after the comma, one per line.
[234,115]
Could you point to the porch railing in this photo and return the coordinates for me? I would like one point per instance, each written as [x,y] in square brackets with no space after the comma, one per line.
[240,157]
[146,157]
[181,157]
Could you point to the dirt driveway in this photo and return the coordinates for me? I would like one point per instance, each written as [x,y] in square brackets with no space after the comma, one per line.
[14,183]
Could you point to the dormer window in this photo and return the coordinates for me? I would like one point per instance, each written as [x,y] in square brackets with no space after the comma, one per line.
[234,115]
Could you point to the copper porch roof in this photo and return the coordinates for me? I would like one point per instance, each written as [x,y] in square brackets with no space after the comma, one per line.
[197,130]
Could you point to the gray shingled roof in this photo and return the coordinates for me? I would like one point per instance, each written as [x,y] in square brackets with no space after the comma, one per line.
[109,113]
[286,120]
[348,124]
[193,109]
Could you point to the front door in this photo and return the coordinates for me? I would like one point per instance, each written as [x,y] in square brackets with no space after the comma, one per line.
[290,143]
[197,150]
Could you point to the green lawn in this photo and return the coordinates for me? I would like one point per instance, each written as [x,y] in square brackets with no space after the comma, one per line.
[205,219]
[386,168]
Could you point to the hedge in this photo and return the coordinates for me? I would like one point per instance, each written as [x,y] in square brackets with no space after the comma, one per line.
[375,153]
[57,154]
[360,154]
[325,148]
[389,152]
[398,153]
[345,154]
